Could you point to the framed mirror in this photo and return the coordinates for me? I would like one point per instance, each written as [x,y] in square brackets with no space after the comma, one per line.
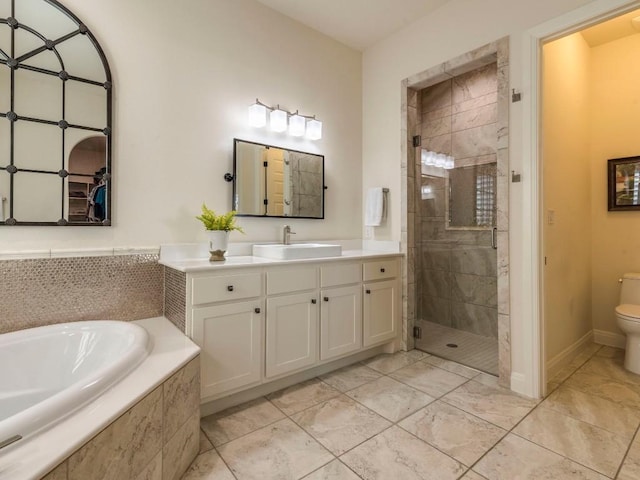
[271,181]
[624,183]
[55,118]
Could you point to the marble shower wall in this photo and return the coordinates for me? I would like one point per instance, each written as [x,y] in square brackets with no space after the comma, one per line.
[306,180]
[457,280]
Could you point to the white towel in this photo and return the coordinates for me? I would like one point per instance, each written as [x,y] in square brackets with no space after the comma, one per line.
[374,208]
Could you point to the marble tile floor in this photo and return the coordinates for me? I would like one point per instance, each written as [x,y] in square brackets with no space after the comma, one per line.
[411,415]
[472,350]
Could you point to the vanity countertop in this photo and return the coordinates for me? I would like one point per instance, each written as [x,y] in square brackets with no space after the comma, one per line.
[235,261]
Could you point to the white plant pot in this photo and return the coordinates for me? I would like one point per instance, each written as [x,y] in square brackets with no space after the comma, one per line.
[218,241]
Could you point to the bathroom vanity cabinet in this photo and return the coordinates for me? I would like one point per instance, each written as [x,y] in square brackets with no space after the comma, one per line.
[256,325]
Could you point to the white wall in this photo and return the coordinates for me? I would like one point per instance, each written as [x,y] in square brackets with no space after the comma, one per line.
[457,27]
[615,114]
[184,75]
[567,192]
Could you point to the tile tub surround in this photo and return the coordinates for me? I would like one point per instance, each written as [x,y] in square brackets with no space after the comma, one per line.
[442,124]
[44,291]
[475,431]
[146,423]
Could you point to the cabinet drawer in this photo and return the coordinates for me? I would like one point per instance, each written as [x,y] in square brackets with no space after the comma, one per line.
[287,280]
[340,274]
[380,269]
[225,287]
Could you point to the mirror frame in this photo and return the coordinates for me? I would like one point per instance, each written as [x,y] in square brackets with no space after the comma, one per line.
[612,165]
[15,63]
[235,188]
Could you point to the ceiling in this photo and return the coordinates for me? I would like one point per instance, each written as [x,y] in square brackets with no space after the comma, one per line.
[611,30]
[356,23]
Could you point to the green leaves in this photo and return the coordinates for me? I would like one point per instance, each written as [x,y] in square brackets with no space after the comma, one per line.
[211,221]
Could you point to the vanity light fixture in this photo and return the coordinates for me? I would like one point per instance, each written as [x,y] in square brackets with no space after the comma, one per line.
[279,120]
[314,129]
[257,115]
[297,124]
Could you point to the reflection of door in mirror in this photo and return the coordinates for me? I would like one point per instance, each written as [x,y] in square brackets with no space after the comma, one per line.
[275,181]
[86,166]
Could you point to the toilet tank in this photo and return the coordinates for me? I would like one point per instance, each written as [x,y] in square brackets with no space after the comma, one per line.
[630,291]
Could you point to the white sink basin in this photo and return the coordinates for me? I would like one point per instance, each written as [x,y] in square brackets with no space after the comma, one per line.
[297,251]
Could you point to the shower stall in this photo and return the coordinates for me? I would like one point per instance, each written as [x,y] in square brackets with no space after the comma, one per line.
[457,242]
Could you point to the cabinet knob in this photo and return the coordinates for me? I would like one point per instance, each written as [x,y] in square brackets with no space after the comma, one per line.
[257,310]
[367,291]
[382,270]
[230,288]
[314,301]
[326,299]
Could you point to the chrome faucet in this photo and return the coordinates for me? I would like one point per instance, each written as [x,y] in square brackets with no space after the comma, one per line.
[286,235]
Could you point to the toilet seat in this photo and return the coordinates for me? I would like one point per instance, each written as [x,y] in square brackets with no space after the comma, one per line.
[628,312]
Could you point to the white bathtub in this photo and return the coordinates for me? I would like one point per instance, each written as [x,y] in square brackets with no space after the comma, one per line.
[47,373]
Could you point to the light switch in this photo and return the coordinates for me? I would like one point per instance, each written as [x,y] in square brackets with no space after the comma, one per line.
[551,217]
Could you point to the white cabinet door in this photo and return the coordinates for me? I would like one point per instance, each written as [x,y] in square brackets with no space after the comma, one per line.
[340,321]
[292,333]
[381,312]
[231,338]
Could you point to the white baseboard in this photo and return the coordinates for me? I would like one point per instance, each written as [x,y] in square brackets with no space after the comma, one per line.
[563,358]
[602,337]
[519,385]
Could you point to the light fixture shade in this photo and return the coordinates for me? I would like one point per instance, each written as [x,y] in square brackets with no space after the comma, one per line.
[440,160]
[314,129]
[431,158]
[449,163]
[257,115]
[297,125]
[278,120]
[424,156]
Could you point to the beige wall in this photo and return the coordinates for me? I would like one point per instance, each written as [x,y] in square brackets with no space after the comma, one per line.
[615,107]
[566,192]
[184,75]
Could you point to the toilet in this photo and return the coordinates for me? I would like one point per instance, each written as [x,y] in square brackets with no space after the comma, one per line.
[628,319]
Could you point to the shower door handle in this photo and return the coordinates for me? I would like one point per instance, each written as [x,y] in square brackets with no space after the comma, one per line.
[494,239]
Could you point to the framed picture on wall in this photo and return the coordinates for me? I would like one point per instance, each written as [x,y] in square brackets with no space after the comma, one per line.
[624,183]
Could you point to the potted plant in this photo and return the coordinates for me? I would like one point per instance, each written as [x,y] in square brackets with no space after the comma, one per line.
[218,228]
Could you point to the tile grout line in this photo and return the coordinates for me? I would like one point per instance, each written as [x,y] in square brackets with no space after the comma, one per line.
[511,431]
[626,454]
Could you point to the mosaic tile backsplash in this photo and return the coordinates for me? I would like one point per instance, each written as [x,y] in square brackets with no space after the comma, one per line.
[39,292]
[175,297]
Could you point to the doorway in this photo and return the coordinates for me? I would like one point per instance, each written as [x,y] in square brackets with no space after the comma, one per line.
[589,106]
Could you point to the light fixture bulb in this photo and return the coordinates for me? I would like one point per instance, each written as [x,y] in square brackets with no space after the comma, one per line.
[449,163]
[314,129]
[297,124]
[278,120]
[257,115]
[431,158]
